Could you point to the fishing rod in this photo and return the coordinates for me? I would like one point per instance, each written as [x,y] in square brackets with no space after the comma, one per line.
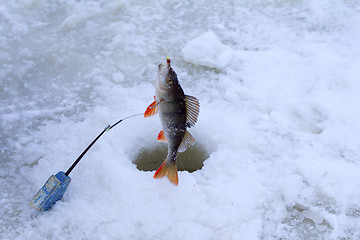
[56,185]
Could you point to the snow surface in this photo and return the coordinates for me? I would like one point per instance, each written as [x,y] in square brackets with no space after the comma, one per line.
[279,118]
[207,50]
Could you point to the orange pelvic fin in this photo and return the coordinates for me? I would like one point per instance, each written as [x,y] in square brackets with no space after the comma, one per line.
[161,136]
[168,169]
[151,110]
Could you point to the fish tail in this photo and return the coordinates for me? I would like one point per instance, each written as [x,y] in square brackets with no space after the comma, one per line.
[169,169]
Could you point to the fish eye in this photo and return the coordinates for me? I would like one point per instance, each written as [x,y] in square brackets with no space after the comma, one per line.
[170,81]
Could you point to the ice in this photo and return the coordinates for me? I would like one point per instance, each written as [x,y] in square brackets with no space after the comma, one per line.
[207,50]
[278,84]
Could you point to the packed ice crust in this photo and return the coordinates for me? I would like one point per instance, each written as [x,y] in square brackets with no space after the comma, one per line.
[278,84]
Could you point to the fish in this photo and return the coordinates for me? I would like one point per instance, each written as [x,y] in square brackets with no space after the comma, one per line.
[177,112]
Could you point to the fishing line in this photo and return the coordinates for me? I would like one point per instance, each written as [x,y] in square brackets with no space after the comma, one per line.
[110,127]
[182,164]
[91,144]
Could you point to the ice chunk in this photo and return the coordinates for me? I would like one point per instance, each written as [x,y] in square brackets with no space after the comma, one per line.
[207,50]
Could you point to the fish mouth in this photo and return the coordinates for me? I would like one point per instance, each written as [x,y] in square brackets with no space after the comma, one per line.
[163,72]
[164,68]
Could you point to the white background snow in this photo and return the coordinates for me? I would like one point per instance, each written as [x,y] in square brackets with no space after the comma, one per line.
[278,83]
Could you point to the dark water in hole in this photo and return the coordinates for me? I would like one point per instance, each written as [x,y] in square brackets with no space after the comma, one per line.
[190,160]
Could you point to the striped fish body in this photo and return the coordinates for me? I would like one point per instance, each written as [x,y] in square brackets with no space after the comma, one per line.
[172,111]
[177,112]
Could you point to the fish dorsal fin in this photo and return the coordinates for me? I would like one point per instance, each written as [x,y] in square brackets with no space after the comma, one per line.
[152,109]
[161,136]
[192,110]
[187,141]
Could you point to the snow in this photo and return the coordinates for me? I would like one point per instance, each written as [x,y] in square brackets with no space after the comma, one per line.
[278,84]
[207,50]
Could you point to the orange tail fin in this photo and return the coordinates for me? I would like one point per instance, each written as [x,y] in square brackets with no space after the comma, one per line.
[168,169]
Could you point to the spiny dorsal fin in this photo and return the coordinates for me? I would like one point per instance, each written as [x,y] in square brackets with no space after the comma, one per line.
[187,141]
[192,110]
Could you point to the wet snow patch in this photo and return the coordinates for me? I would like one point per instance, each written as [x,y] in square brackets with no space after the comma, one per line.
[307,223]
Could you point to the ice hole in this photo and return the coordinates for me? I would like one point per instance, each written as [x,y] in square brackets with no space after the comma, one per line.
[149,159]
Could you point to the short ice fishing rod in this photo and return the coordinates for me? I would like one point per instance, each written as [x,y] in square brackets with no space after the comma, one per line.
[56,185]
